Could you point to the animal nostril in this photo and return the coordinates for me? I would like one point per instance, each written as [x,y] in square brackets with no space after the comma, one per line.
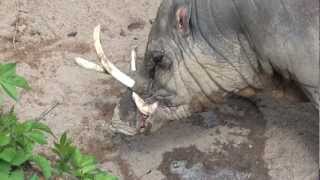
[157,56]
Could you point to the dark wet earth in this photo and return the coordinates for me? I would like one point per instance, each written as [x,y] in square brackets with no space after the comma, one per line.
[244,162]
[241,162]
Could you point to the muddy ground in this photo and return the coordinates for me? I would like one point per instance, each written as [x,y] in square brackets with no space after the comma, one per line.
[269,140]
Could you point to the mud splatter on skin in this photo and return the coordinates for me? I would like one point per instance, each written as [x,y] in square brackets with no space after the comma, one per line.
[245,158]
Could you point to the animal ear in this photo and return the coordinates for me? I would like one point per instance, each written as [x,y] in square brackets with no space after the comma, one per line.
[182,19]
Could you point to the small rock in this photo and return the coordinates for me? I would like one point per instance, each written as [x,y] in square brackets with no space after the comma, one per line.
[136,25]
[72,34]
[34,32]
[122,33]
[21,28]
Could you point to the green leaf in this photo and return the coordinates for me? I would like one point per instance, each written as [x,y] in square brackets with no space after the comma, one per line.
[41,126]
[10,90]
[86,170]
[9,118]
[63,138]
[23,128]
[43,164]
[105,176]
[37,136]
[8,154]
[7,69]
[56,151]
[1,100]
[4,176]
[64,151]
[9,80]
[17,81]
[4,139]
[28,148]
[17,175]
[63,166]
[77,157]
[4,167]
[34,177]
[87,160]
[21,157]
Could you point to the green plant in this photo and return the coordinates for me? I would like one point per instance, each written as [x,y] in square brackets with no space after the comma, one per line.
[9,80]
[18,140]
[73,162]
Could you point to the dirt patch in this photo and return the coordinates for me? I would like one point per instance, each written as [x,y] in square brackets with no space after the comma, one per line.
[126,170]
[106,109]
[48,35]
[136,25]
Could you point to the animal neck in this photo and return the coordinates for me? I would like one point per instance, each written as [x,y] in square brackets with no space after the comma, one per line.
[219,44]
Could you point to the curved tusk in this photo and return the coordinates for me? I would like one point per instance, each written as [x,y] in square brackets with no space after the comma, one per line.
[144,108]
[107,65]
[88,65]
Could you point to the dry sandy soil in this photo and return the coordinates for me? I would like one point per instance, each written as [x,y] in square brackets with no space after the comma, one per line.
[272,140]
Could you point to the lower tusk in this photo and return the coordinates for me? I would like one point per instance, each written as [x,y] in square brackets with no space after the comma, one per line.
[88,65]
[144,108]
[133,60]
[107,65]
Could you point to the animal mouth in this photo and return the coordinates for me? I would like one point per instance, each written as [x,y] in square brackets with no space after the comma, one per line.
[117,125]
[144,108]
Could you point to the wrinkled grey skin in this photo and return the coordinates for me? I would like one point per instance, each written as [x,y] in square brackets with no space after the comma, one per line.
[227,46]
[198,172]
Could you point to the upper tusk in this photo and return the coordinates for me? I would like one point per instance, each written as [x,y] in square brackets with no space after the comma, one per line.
[88,65]
[107,65]
[110,68]
[144,108]
[133,60]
